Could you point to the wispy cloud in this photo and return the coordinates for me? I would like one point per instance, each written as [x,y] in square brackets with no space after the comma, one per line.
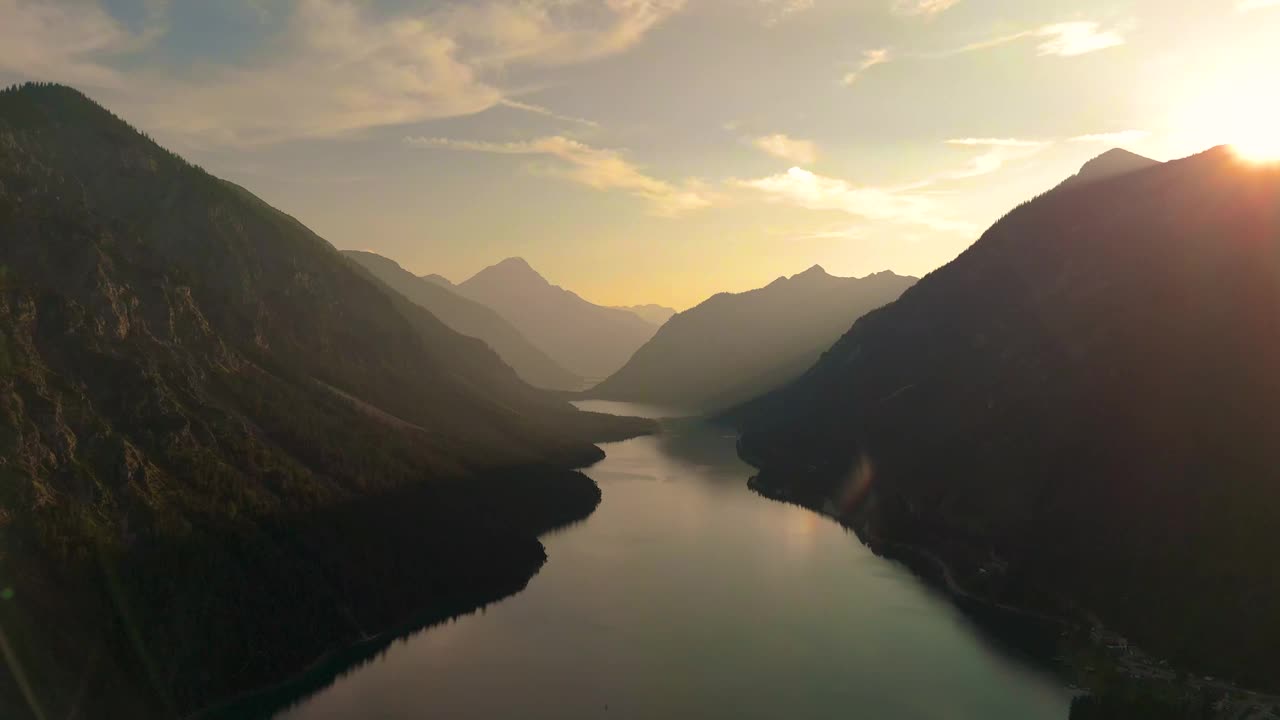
[43,40]
[870,59]
[1076,38]
[598,168]
[1123,137]
[499,33]
[1067,39]
[540,110]
[804,152]
[926,8]
[334,67]
[1248,5]
[911,204]
[801,188]
[997,153]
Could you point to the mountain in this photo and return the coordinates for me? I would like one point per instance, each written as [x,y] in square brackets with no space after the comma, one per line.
[440,280]
[1078,414]
[226,450]
[590,340]
[1112,163]
[734,347]
[656,314]
[472,319]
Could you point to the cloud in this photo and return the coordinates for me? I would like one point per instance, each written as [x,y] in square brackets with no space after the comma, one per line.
[1076,38]
[999,152]
[1123,137]
[1067,39]
[870,58]
[912,204]
[801,188]
[1248,5]
[804,152]
[597,168]
[48,41]
[334,67]
[551,32]
[926,8]
[539,110]
[342,71]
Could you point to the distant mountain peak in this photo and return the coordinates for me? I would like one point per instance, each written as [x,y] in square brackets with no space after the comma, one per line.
[437,279]
[512,272]
[591,341]
[816,271]
[1111,163]
[515,264]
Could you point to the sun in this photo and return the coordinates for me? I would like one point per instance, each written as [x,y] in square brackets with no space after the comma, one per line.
[1231,104]
[1261,149]
[1248,121]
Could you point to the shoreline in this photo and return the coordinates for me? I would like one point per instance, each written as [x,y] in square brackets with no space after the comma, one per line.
[323,670]
[1134,666]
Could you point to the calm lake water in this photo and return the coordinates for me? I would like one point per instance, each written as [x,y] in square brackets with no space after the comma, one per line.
[685,595]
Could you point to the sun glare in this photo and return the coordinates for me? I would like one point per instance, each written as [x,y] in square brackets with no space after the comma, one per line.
[1251,127]
[1262,149]
[1230,105]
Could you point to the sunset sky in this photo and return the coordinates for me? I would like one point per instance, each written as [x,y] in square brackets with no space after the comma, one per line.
[661,150]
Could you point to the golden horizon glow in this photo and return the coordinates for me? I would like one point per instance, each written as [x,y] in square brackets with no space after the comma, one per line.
[1230,103]
[1266,151]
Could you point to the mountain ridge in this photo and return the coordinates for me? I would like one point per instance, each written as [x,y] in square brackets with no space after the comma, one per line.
[1112,163]
[472,319]
[201,399]
[1072,414]
[589,340]
[773,334]
[650,312]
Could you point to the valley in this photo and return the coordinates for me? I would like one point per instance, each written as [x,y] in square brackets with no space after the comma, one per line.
[247,474]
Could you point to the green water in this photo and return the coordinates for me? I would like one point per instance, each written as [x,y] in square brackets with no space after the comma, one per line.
[688,596]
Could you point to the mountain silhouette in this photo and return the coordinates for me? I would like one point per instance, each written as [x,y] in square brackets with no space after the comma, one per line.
[1078,413]
[472,319]
[437,279]
[225,449]
[656,314]
[589,340]
[736,346]
[1113,163]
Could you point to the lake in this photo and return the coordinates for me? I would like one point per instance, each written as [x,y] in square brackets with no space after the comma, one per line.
[687,595]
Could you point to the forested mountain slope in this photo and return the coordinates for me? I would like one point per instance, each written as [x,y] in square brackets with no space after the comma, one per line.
[1079,413]
[224,449]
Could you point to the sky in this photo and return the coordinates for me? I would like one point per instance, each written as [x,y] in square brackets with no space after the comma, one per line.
[661,151]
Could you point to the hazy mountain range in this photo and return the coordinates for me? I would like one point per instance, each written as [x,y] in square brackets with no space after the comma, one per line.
[736,346]
[590,340]
[220,438]
[471,318]
[1078,413]
[656,314]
